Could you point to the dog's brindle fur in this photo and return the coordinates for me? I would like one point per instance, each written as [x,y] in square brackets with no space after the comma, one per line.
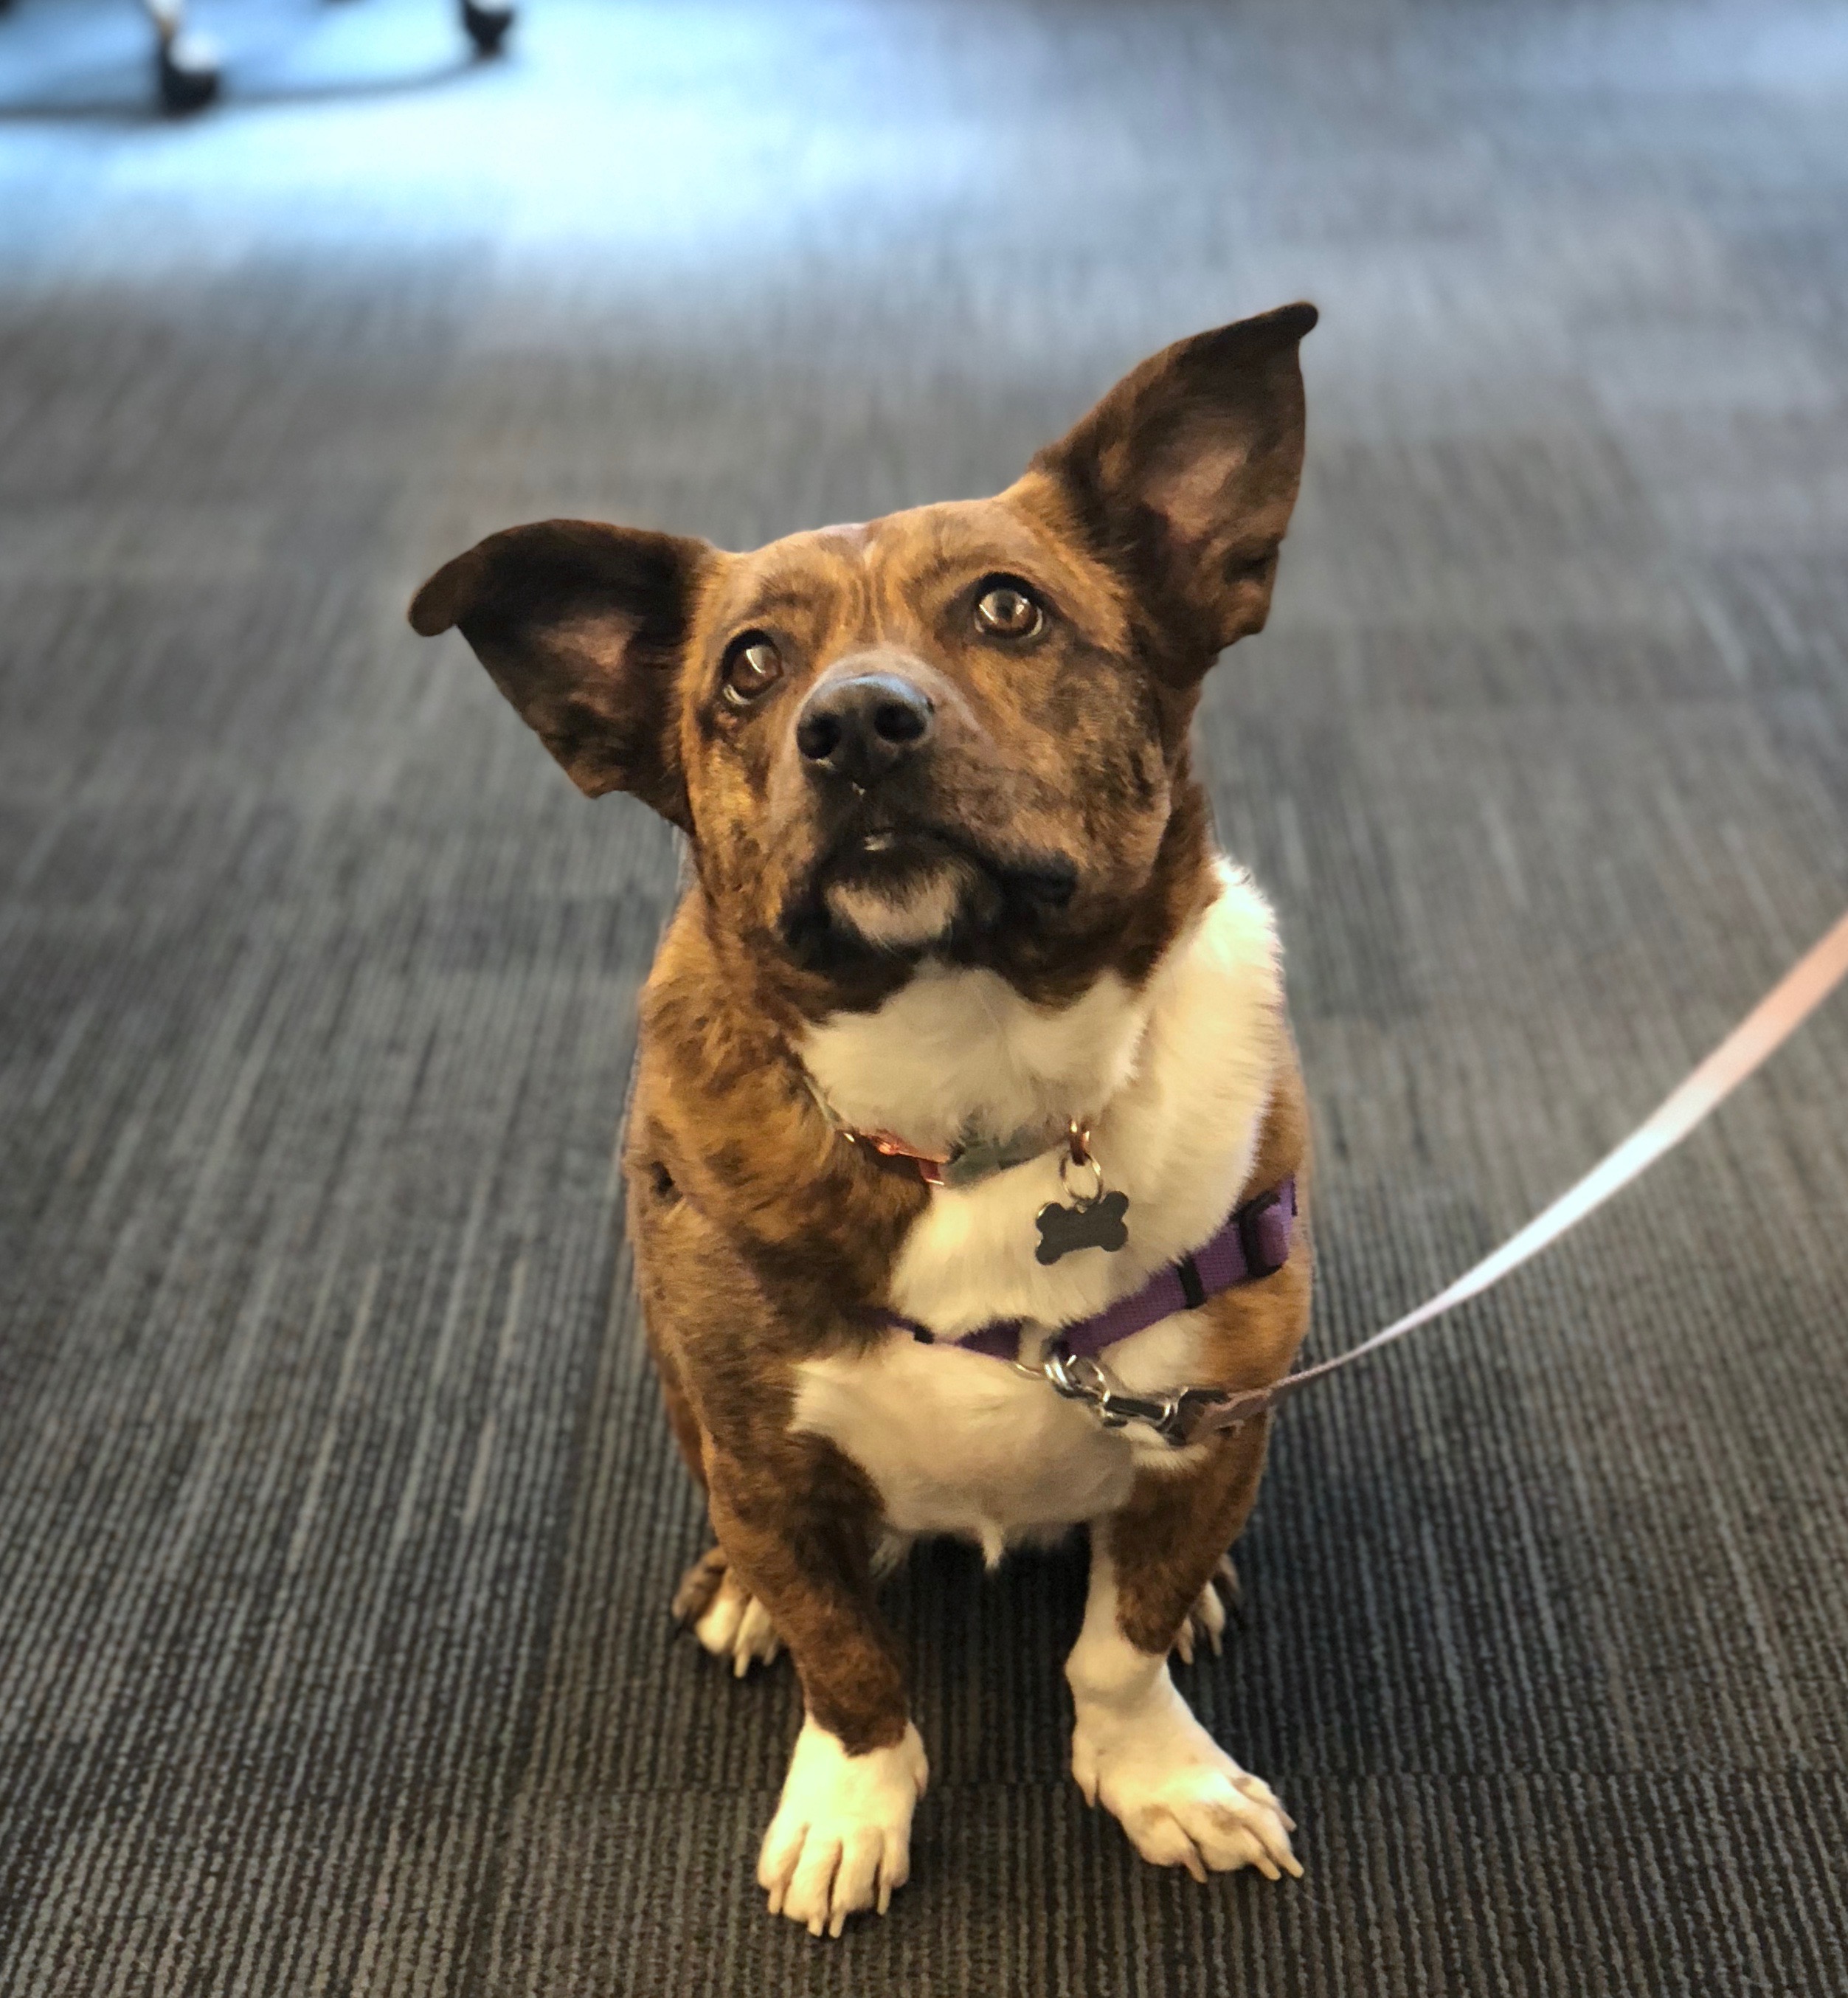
[1059,791]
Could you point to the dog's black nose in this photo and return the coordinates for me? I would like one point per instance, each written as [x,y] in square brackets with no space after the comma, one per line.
[859,729]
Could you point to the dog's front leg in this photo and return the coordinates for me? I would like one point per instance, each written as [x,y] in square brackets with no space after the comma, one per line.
[840,1840]
[1136,1748]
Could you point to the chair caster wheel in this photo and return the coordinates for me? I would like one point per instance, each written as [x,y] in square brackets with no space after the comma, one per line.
[487,24]
[188,72]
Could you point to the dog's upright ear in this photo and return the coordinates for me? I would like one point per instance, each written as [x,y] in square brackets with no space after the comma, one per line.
[582,628]
[1183,477]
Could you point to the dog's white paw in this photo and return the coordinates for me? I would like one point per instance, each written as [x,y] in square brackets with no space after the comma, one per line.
[840,1840]
[726,1618]
[1207,1618]
[736,1627]
[1183,1800]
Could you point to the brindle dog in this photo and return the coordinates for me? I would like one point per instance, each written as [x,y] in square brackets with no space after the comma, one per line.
[954,877]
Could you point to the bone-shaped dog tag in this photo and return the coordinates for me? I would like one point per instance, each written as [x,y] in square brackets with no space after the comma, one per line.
[1090,1224]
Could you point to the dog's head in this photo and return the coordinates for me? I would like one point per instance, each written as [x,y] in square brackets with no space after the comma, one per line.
[959,732]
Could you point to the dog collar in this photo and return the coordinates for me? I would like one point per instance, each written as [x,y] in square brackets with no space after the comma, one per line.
[1094,1219]
[969,1159]
[1251,1242]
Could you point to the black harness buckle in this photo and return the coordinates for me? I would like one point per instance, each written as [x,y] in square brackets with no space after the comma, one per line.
[1266,1250]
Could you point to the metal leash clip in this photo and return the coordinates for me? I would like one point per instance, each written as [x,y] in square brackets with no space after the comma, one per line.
[1173,1416]
[1082,1379]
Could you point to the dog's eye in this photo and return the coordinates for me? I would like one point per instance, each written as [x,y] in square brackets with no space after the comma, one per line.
[1007,610]
[753,666]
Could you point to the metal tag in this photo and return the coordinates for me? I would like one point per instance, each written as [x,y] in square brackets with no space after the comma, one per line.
[1086,1224]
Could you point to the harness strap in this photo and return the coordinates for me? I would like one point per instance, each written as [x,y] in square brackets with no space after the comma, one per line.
[1252,1242]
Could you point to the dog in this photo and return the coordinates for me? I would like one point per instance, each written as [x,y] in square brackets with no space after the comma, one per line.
[964,1039]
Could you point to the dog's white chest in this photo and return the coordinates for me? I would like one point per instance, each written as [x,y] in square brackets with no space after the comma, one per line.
[957,1442]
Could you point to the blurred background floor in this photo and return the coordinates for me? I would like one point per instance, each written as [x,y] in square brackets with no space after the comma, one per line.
[338,1521]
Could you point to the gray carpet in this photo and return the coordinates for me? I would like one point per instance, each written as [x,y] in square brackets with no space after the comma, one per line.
[337,1520]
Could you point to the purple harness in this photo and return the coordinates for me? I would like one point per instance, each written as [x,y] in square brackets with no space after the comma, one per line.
[1253,1242]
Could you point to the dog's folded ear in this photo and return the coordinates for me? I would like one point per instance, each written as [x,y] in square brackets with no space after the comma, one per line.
[1185,474]
[582,628]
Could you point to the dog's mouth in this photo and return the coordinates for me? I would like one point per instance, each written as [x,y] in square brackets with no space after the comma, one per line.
[908,887]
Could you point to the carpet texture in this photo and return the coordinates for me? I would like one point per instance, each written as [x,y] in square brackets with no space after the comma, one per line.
[337,1518]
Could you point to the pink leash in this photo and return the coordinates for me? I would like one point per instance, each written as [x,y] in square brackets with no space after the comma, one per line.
[1194,1412]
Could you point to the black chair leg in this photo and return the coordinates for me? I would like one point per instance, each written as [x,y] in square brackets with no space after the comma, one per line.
[487,22]
[186,69]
